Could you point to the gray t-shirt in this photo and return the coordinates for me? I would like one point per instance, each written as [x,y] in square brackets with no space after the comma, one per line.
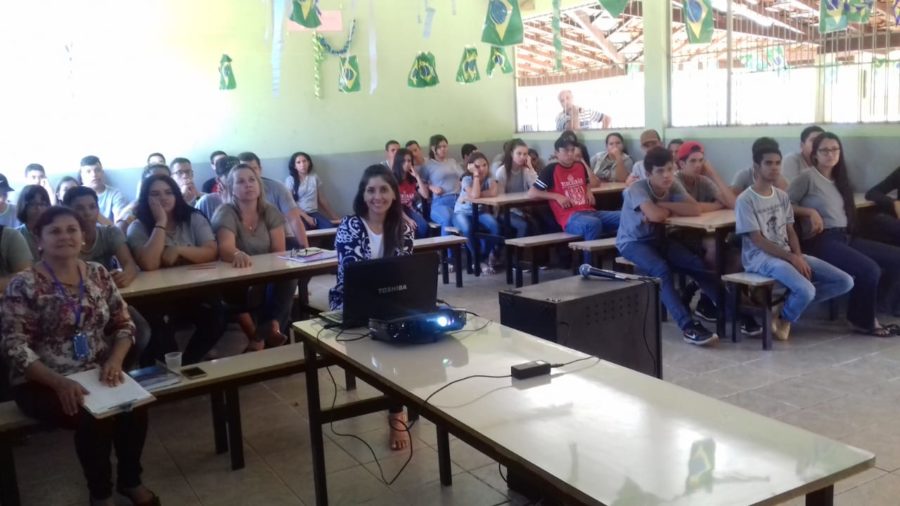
[605,167]
[703,190]
[256,242]
[30,240]
[743,179]
[109,239]
[279,196]
[638,170]
[307,192]
[632,226]
[769,215]
[812,189]
[518,181]
[444,174]
[8,217]
[14,251]
[465,207]
[194,233]
[208,203]
[112,204]
[792,165]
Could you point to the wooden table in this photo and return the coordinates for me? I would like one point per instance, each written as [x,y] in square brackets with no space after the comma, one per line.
[592,433]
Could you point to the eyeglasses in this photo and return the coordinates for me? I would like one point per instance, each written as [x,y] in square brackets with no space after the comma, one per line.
[829,151]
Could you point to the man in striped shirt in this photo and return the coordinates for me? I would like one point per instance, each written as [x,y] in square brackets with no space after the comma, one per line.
[573,117]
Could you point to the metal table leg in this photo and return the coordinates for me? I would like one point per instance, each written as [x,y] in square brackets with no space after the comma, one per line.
[314,407]
[443,441]
[235,435]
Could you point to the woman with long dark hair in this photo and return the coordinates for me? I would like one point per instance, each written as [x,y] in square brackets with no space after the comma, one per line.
[412,188]
[442,174]
[517,173]
[823,196]
[306,188]
[33,201]
[614,164]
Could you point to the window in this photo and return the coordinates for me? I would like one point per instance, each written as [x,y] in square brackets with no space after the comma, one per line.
[778,69]
[602,67]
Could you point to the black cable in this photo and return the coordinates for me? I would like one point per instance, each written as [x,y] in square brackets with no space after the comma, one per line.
[500,470]
[573,361]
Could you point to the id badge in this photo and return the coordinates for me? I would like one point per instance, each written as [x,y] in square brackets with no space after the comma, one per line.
[82,348]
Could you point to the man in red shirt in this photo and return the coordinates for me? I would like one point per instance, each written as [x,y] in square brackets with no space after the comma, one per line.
[567,184]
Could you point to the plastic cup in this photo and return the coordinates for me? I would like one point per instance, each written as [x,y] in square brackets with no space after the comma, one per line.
[173,361]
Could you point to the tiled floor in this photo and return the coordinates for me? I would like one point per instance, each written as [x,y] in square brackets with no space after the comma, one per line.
[824,379]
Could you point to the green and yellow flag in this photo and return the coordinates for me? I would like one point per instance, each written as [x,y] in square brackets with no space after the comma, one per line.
[503,23]
[348,81]
[468,67]
[423,73]
[498,59]
[859,11]
[614,7]
[698,21]
[226,75]
[833,15]
[306,13]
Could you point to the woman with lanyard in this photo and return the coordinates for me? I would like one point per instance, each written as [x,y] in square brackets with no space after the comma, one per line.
[64,316]
[442,175]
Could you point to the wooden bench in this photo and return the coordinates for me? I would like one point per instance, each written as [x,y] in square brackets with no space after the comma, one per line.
[590,250]
[741,283]
[445,244]
[516,248]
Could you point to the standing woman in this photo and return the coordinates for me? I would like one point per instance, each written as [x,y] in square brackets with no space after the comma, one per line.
[516,174]
[64,316]
[168,232]
[307,192]
[33,201]
[247,225]
[412,188]
[823,196]
[442,174]
[375,230]
[614,164]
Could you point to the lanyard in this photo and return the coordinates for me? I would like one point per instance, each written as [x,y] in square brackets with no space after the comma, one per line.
[77,305]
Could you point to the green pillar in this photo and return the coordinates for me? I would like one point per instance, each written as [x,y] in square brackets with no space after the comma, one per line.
[657,46]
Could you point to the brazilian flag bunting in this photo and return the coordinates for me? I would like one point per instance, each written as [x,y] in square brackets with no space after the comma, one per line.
[833,15]
[498,59]
[306,13]
[698,21]
[503,23]
[226,75]
[348,81]
[423,74]
[614,7]
[468,67]
[859,11]
[896,12]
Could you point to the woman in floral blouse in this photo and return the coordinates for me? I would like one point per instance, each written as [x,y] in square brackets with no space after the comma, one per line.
[64,316]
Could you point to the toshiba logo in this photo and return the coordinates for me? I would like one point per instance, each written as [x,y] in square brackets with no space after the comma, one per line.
[391,289]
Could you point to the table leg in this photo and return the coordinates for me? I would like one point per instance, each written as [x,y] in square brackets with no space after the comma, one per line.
[443,442]
[314,406]
[445,271]
[9,487]
[476,242]
[220,432]
[821,497]
[721,256]
[507,226]
[235,435]
[349,380]
[457,264]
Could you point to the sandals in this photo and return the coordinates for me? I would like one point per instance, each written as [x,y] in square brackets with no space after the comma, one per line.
[153,501]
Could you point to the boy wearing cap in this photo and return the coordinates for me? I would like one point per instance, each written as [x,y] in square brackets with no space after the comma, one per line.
[649,139]
[7,210]
[567,184]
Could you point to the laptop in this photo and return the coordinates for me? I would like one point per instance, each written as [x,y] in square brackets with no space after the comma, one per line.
[387,288]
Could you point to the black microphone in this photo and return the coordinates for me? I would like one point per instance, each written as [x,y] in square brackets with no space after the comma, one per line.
[587,271]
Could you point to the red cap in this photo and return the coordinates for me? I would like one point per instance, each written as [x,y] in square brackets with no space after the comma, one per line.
[687,148]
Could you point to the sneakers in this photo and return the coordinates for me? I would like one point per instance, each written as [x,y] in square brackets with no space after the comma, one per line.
[696,333]
[781,328]
[687,293]
[749,327]
[706,309]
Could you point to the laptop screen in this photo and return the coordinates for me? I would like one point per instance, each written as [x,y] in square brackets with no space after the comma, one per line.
[389,288]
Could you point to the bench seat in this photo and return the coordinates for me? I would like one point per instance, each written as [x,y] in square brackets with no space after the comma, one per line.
[516,248]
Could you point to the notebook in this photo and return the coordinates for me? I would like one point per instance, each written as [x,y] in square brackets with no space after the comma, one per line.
[154,377]
[103,401]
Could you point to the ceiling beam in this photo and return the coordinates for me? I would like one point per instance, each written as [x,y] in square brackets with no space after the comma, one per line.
[598,36]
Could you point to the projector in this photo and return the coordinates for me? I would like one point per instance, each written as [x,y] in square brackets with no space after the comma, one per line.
[418,329]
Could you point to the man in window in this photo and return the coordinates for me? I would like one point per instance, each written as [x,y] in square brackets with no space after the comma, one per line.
[573,117]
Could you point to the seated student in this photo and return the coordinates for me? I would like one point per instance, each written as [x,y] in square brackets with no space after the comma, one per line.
[64,316]
[168,232]
[475,184]
[279,196]
[390,150]
[247,225]
[567,185]
[209,202]
[884,226]
[823,196]
[764,219]
[795,163]
[673,146]
[442,174]
[15,256]
[375,230]
[113,203]
[514,175]
[743,179]
[412,188]
[211,184]
[7,211]
[306,189]
[614,164]
[128,215]
[33,201]
[183,174]
[466,150]
[63,186]
[35,174]
[536,162]
[649,139]
[156,159]
[582,155]
[416,150]
[647,203]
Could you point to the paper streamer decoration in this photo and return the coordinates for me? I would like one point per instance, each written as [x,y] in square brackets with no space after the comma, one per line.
[306,13]
[278,7]
[832,15]
[498,59]
[859,11]
[348,81]
[698,17]
[557,37]
[423,73]
[614,7]
[503,23]
[896,10]
[468,67]
[321,46]
[226,75]
[429,20]
[373,50]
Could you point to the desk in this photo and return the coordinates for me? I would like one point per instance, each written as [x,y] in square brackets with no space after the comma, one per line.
[598,434]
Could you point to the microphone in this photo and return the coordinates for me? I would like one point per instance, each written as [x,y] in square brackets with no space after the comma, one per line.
[587,271]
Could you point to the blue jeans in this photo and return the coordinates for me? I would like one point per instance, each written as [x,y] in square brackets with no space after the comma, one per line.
[660,260]
[593,224]
[442,210]
[487,222]
[827,282]
[421,224]
[321,221]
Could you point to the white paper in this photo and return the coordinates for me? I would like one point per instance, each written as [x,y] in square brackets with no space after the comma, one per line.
[103,400]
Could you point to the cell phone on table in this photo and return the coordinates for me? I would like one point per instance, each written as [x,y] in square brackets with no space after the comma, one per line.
[193,373]
[305,252]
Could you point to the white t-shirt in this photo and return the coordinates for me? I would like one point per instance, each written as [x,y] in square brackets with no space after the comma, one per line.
[376,242]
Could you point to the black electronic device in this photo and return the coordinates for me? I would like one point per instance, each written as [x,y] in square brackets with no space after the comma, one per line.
[616,320]
[418,329]
[193,372]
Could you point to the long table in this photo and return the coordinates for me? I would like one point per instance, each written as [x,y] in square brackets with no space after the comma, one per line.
[592,433]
